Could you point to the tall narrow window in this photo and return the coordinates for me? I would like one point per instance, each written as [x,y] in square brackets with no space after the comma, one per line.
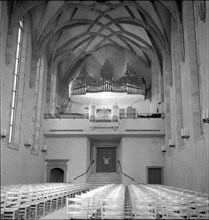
[16,79]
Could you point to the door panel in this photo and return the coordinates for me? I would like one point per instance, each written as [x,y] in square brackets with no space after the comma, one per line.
[106,160]
[56,175]
[154,175]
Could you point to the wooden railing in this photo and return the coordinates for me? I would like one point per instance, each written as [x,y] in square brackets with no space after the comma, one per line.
[124,173]
[86,171]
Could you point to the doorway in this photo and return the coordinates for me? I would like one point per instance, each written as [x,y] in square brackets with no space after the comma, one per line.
[106,160]
[56,175]
[155,175]
[56,163]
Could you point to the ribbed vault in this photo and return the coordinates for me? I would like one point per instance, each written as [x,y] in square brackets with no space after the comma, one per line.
[77,32]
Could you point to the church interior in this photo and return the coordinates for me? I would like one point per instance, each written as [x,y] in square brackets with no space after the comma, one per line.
[107,109]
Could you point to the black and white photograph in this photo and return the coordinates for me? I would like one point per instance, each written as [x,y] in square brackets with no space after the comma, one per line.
[104,109]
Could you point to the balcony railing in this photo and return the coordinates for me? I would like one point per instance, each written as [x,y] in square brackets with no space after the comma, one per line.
[86,116]
[80,124]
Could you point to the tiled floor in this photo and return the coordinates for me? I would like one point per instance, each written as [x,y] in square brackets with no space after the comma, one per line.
[59,214]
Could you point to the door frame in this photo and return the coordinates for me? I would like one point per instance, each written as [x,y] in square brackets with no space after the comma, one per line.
[113,149]
[105,145]
[162,172]
[56,163]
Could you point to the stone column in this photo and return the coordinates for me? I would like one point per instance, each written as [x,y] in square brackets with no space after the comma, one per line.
[155,84]
[166,78]
[194,71]
[206,126]
[34,60]
[53,91]
[1,7]
[176,68]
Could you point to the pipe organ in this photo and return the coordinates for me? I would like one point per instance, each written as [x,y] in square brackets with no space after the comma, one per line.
[79,84]
[133,82]
[92,112]
[129,82]
[107,77]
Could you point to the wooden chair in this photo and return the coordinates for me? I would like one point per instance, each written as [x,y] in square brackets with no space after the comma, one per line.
[43,195]
[55,199]
[61,197]
[78,208]
[48,200]
[12,205]
[85,205]
[24,208]
[177,208]
[3,202]
[112,210]
[34,206]
[161,207]
[112,206]
[145,209]
[192,206]
[202,208]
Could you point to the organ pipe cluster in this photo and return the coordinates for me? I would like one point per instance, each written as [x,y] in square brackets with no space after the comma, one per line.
[107,77]
[129,82]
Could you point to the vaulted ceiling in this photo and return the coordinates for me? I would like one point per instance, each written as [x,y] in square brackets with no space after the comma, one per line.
[75,32]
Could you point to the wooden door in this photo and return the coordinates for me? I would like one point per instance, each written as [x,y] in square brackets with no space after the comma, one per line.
[106,160]
[154,175]
[56,175]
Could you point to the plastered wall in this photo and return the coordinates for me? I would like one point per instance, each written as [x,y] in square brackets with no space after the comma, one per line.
[75,149]
[188,167]
[18,166]
[139,152]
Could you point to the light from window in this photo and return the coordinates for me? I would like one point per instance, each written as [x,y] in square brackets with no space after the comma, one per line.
[70,88]
[15,78]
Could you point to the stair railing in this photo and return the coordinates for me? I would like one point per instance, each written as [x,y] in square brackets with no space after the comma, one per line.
[124,173]
[86,170]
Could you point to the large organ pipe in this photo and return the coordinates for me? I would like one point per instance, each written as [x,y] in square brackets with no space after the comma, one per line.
[92,112]
[115,112]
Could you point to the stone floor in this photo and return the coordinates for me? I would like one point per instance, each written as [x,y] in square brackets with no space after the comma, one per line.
[59,214]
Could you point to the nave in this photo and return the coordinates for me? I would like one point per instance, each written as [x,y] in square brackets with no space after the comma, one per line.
[112,201]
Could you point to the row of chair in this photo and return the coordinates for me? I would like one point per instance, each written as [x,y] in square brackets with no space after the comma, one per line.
[198,202]
[112,205]
[158,201]
[143,205]
[33,201]
[105,202]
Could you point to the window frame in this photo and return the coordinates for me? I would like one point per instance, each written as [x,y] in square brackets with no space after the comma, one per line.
[15,84]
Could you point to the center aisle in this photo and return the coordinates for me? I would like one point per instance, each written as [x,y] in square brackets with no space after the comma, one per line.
[59,214]
[128,213]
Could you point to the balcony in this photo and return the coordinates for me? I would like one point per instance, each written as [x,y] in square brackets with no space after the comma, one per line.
[79,124]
